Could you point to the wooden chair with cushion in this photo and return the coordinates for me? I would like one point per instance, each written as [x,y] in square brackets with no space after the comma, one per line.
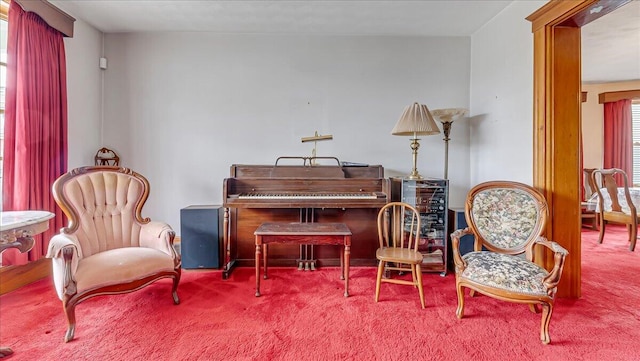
[617,202]
[588,214]
[399,235]
[107,247]
[507,219]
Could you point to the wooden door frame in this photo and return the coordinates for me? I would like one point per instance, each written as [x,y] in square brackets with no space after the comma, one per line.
[557,123]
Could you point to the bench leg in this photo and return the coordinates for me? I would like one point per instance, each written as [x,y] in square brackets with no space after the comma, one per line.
[342,275]
[265,256]
[347,256]
[258,269]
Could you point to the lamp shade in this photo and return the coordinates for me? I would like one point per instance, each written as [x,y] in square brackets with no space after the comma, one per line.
[449,115]
[416,120]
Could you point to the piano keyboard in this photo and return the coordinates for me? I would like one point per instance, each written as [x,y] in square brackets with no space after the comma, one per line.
[316,196]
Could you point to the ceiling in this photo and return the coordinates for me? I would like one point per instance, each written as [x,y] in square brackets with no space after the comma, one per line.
[610,45]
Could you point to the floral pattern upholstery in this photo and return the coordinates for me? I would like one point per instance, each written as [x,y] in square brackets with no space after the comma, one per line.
[507,220]
[505,217]
[622,200]
[506,272]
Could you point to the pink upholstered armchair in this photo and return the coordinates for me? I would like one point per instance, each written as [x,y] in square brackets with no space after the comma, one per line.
[107,247]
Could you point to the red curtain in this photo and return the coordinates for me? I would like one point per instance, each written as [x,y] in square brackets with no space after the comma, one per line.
[35,149]
[618,137]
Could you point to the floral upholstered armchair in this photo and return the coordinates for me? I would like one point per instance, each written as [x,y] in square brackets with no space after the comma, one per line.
[107,247]
[507,220]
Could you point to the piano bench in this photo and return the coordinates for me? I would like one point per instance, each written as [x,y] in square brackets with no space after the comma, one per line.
[303,233]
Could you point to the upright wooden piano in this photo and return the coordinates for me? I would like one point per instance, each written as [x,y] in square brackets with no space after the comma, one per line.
[302,193]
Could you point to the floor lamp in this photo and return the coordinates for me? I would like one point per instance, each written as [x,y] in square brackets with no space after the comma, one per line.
[416,120]
[447,117]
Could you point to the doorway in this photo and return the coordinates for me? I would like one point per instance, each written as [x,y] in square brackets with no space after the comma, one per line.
[557,102]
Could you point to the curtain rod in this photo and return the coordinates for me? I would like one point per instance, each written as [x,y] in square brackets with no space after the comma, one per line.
[53,16]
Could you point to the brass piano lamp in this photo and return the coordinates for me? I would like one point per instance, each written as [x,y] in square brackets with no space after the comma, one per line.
[315,138]
[446,117]
[416,120]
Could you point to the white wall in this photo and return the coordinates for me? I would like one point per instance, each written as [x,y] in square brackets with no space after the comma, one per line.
[181,108]
[501,142]
[84,94]
[593,120]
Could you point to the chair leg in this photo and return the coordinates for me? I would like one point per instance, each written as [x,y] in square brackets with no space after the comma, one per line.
[70,312]
[547,310]
[174,290]
[414,276]
[460,309]
[418,273]
[381,265]
[601,236]
[633,234]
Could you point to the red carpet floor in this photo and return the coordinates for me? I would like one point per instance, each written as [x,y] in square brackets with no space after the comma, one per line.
[303,316]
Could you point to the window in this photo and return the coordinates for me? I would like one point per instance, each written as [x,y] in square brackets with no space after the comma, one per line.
[635,121]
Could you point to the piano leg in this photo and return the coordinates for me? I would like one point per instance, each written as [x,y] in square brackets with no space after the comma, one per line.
[229,263]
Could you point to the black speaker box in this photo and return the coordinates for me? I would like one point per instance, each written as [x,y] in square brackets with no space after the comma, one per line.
[201,236]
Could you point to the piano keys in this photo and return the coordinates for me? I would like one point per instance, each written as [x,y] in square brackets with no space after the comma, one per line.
[254,194]
[308,196]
